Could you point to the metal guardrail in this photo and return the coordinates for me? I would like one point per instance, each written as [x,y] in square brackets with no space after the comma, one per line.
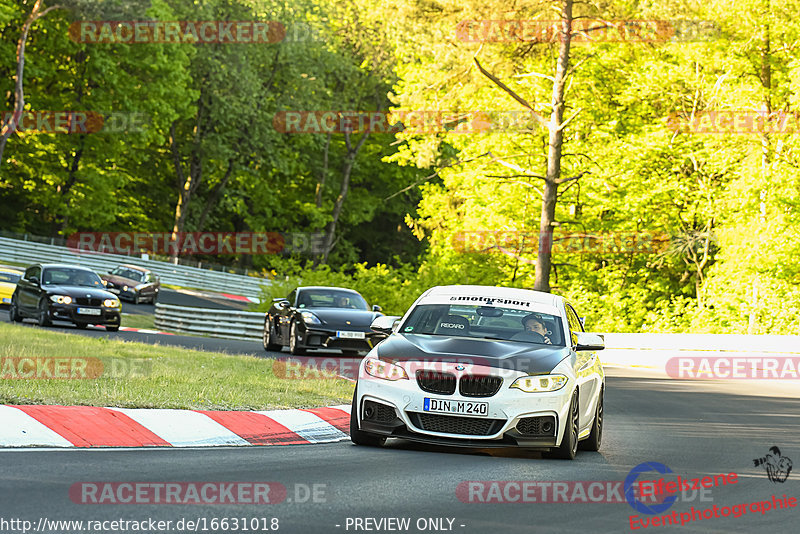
[230,324]
[20,251]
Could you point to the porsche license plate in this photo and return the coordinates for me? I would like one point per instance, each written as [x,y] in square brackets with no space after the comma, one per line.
[350,335]
[456,407]
[89,311]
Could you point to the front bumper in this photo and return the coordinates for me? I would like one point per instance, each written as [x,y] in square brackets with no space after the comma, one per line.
[69,312]
[514,418]
[316,338]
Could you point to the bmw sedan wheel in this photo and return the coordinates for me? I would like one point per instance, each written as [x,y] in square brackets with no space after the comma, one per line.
[266,338]
[44,317]
[13,312]
[359,437]
[569,443]
[592,443]
[294,345]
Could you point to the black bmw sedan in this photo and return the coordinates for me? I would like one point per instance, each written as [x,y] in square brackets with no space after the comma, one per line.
[321,318]
[55,292]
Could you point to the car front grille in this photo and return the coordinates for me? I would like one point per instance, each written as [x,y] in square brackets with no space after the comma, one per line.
[479,385]
[88,301]
[436,382]
[447,424]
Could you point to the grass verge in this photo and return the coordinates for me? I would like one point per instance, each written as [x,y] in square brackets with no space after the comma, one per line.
[131,320]
[138,375]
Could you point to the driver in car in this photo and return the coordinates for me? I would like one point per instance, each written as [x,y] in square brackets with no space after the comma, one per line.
[341,302]
[534,323]
[82,279]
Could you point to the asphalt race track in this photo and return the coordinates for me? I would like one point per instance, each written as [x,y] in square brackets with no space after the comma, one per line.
[696,428]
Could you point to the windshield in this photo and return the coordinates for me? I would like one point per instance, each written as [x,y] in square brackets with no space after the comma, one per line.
[331,298]
[488,322]
[71,277]
[9,277]
[130,274]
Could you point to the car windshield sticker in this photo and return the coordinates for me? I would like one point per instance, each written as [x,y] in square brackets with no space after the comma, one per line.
[493,300]
[409,328]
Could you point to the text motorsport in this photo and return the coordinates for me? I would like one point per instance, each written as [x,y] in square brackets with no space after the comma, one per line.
[188,243]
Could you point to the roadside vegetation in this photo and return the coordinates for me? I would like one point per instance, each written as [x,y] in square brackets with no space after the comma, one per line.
[622,140]
[136,375]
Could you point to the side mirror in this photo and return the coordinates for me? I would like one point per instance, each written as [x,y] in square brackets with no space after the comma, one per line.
[283,303]
[589,341]
[34,280]
[583,321]
[385,324]
[376,308]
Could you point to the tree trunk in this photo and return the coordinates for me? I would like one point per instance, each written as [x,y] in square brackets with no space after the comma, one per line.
[187,185]
[550,192]
[347,168]
[19,94]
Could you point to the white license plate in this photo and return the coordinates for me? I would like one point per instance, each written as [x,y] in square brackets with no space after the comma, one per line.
[89,311]
[456,407]
[350,335]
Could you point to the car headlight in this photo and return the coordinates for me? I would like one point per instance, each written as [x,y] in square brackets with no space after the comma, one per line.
[540,383]
[124,288]
[385,370]
[61,299]
[111,303]
[310,318]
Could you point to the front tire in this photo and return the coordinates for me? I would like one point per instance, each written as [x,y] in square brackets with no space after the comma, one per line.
[44,317]
[569,443]
[13,312]
[266,338]
[294,346]
[592,443]
[359,437]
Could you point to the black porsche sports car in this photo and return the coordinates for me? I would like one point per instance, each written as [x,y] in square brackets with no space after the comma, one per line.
[54,292]
[321,318]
